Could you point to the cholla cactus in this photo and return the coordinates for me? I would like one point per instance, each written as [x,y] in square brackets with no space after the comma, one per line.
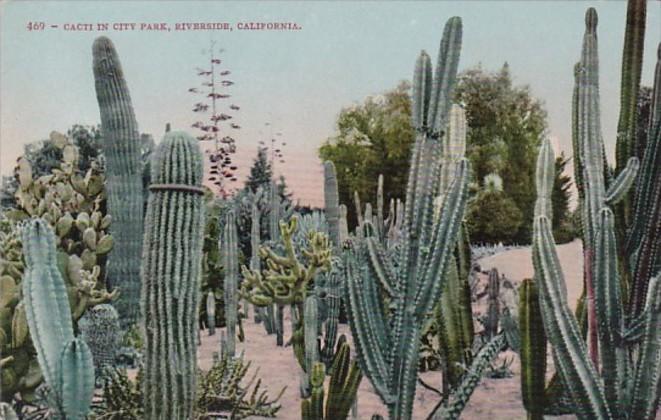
[172,259]
[100,329]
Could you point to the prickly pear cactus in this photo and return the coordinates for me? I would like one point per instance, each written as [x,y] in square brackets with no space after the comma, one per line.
[72,204]
[99,327]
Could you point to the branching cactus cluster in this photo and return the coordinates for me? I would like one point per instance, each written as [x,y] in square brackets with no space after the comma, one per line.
[617,374]
[171,271]
[388,339]
[121,146]
[65,361]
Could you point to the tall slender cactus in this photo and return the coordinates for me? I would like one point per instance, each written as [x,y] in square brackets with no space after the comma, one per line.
[230,253]
[172,258]
[387,341]
[124,189]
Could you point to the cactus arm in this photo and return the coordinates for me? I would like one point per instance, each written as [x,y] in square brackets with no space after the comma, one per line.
[632,64]
[608,304]
[648,371]
[380,226]
[343,385]
[462,394]
[359,208]
[544,176]
[562,328]
[310,335]
[368,327]
[76,379]
[620,187]
[45,298]
[381,266]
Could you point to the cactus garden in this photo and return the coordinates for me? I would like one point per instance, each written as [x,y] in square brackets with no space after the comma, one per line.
[456,262]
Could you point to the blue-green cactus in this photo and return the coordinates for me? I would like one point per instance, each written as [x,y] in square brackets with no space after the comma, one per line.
[387,341]
[171,272]
[66,362]
[230,253]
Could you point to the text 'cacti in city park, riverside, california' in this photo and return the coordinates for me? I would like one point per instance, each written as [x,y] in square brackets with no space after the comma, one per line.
[121,147]
[171,274]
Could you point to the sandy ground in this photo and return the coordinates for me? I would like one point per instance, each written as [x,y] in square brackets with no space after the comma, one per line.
[493,398]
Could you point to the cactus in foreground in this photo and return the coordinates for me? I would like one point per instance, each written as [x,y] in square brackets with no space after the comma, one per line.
[121,147]
[172,258]
[342,388]
[230,251]
[387,340]
[311,344]
[66,362]
[630,353]
[100,329]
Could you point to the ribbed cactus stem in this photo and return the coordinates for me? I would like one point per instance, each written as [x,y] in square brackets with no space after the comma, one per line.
[452,151]
[533,350]
[379,223]
[359,208]
[76,378]
[344,225]
[230,255]
[171,271]
[211,312]
[124,189]
[274,212]
[493,304]
[45,298]
[332,203]
[310,334]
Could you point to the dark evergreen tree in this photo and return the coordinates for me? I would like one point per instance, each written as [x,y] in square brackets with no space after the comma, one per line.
[260,172]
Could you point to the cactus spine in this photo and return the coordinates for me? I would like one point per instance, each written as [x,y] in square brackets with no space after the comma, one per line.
[124,188]
[388,341]
[171,273]
[66,362]
[230,253]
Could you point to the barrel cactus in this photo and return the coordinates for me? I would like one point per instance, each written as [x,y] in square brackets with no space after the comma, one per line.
[100,329]
[171,271]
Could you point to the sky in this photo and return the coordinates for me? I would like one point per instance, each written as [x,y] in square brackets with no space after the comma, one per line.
[299,80]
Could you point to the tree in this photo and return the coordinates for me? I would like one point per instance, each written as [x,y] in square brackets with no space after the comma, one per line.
[506,125]
[493,217]
[563,229]
[261,171]
[372,138]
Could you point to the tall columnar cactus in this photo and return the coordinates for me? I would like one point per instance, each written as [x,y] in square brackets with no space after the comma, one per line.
[387,341]
[311,344]
[121,146]
[332,203]
[211,312]
[493,304]
[230,252]
[100,329]
[171,272]
[532,350]
[344,225]
[452,150]
[66,362]
[630,353]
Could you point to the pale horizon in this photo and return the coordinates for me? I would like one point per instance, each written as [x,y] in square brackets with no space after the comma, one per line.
[296,80]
